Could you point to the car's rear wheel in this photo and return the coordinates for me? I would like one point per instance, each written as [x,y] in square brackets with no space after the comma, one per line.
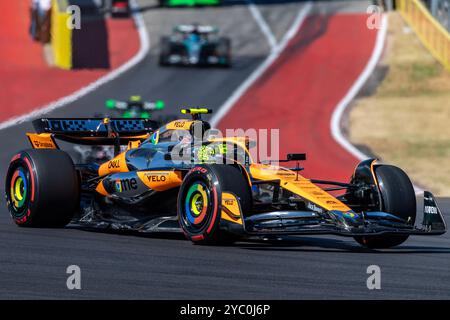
[42,188]
[164,54]
[199,202]
[224,52]
[398,198]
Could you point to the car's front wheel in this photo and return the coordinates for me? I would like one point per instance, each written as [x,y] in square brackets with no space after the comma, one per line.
[200,199]
[224,52]
[165,51]
[398,198]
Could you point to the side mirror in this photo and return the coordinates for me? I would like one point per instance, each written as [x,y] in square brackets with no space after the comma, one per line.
[296,156]
[167,157]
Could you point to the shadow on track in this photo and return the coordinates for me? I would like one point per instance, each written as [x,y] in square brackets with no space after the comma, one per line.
[310,244]
[287,244]
[128,233]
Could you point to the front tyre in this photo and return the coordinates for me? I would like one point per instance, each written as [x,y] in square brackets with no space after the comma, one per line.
[165,51]
[224,52]
[398,198]
[42,188]
[199,202]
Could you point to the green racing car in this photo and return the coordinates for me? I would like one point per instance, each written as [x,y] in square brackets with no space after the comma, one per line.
[135,107]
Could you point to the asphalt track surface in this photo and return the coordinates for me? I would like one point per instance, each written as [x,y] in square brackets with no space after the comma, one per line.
[33,262]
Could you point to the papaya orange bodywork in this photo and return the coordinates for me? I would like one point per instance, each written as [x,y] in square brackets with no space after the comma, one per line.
[231,211]
[42,141]
[101,189]
[160,180]
[116,165]
[298,185]
[181,124]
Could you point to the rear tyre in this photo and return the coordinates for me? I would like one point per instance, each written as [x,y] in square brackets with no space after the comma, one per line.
[200,198]
[224,52]
[165,51]
[42,188]
[398,198]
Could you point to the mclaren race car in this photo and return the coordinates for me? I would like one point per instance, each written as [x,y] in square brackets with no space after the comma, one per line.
[184,177]
[195,45]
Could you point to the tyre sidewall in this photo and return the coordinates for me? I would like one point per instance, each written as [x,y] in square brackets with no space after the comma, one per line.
[206,175]
[22,217]
[54,191]
[396,197]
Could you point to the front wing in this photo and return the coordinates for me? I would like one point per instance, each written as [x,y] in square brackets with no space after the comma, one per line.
[345,223]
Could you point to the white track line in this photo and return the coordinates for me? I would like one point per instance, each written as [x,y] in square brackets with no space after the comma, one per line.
[262,24]
[275,53]
[143,51]
[351,94]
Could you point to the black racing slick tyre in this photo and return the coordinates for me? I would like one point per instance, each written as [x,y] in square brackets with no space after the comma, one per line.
[42,188]
[165,50]
[398,198]
[224,52]
[200,199]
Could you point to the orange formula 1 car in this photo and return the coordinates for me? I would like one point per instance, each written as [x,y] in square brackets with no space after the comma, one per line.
[215,194]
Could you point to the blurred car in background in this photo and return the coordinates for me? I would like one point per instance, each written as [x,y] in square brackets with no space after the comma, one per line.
[195,45]
[120,8]
[174,3]
[135,107]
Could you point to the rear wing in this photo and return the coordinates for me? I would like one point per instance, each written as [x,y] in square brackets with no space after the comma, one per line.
[92,131]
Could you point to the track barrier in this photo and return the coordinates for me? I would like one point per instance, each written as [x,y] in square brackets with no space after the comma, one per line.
[74,48]
[61,36]
[432,34]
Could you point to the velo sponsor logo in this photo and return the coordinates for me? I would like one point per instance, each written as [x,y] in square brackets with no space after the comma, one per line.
[179,124]
[156,178]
